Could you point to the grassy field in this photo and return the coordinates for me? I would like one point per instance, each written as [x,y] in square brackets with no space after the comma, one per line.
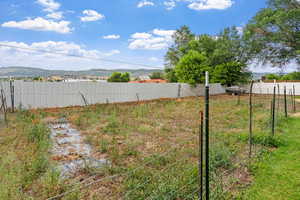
[278,175]
[153,147]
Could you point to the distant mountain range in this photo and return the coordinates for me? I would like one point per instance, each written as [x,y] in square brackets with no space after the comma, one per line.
[29,72]
[36,72]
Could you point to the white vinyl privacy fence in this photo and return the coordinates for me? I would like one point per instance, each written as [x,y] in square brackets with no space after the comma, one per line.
[268,88]
[62,94]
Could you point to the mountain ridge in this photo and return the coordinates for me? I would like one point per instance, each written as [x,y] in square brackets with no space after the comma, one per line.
[19,71]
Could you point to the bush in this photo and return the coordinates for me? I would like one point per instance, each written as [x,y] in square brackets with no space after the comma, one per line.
[38,133]
[119,77]
[157,75]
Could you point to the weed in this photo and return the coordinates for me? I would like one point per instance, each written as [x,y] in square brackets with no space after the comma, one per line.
[103,145]
[141,111]
[220,156]
[38,133]
[113,126]
[157,160]
[130,150]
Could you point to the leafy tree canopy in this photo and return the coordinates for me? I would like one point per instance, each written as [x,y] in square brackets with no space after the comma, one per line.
[230,73]
[273,33]
[191,68]
[171,75]
[181,38]
[207,52]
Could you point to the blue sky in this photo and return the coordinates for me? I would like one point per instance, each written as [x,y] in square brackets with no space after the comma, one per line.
[131,30]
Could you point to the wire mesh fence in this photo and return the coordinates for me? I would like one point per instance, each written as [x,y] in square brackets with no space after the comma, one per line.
[154,146]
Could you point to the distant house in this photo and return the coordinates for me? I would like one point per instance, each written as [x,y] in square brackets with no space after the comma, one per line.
[145,77]
[149,81]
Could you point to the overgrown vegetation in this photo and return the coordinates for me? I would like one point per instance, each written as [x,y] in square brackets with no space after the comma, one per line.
[153,145]
[24,163]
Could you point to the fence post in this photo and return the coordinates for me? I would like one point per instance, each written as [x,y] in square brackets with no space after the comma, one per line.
[179,91]
[285,103]
[12,95]
[273,111]
[3,106]
[250,119]
[294,95]
[207,135]
[278,98]
[292,100]
[200,161]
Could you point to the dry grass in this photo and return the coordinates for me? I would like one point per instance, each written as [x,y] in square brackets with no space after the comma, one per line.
[160,138]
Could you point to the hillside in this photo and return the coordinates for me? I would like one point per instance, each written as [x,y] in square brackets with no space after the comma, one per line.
[34,72]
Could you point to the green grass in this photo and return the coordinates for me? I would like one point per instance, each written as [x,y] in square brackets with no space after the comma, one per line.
[25,169]
[277,175]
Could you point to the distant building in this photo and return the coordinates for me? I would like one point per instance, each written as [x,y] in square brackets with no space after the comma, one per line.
[143,78]
[149,81]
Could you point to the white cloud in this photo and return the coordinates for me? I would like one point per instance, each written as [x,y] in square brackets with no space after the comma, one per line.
[158,39]
[200,4]
[21,57]
[154,59]
[170,4]
[145,3]
[49,5]
[210,4]
[55,15]
[91,15]
[40,24]
[164,33]
[111,37]
[112,52]
[141,35]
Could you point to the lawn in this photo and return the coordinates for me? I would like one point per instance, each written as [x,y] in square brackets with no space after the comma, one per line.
[153,149]
[278,175]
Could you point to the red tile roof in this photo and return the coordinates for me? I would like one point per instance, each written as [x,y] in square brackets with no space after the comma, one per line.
[150,81]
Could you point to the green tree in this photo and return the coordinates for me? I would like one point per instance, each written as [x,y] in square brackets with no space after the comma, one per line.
[181,38]
[291,76]
[220,51]
[119,77]
[273,33]
[125,77]
[230,73]
[191,68]
[273,77]
[37,78]
[171,75]
[157,75]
